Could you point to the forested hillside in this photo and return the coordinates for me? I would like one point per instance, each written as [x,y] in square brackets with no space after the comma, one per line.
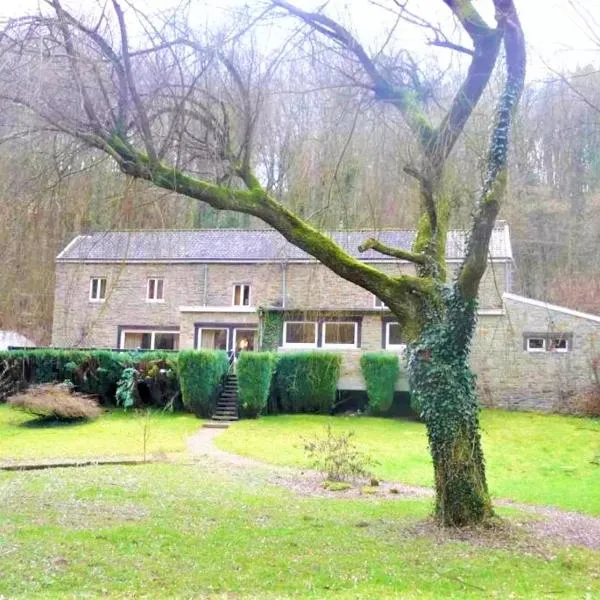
[337,158]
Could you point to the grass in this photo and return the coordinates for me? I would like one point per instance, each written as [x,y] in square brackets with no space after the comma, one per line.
[533,458]
[116,433]
[176,531]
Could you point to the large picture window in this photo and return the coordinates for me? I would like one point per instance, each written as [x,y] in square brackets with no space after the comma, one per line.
[300,333]
[338,334]
[149,340]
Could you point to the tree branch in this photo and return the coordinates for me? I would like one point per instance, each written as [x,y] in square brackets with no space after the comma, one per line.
[373,244]
[494,188]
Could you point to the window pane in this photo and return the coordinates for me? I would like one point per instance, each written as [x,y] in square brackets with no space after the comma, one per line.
[213,339]
[237,295]
[102,289]
[244,339]
[94,289]
[246,289]
[300,333]
[159,289]
[166,341]
[339,333]
[395,335]
[137,339]
[558,343]
[535,343]
[151,283]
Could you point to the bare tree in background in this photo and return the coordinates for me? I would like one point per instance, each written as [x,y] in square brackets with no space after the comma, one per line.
[182,113]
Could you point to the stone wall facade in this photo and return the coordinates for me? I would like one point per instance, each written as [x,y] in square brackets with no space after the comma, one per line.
[511,377]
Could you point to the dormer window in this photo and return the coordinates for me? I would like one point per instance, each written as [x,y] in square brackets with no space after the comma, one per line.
[155,290]
[241,294]
[97,289]
[378,303]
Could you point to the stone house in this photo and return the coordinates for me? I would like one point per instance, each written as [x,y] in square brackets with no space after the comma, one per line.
[215,288]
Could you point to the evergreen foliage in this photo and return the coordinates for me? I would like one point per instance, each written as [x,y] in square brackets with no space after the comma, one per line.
[306,382]
[201,373]
[93,372]
[254,374]
[380,370]
[271,329]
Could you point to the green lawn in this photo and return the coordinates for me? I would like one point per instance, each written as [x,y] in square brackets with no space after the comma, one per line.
[115,433]
[176,531]
[541,459]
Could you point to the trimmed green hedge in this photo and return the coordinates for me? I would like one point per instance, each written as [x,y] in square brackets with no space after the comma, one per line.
[201,373]
[254,374]
[306,382]
[380,370]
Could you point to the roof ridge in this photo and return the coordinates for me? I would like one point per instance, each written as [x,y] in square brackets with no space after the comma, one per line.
[497,225]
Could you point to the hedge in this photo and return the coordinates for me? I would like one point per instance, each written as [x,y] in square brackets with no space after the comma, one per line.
[201,373]
[380,371]
[94,372]
[306,382]
[254,374]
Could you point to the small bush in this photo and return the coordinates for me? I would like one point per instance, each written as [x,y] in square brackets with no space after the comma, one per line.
[380,370]
[337,457]
[56,401]
[306,382]
[588,402]
[254,373]
[201,373]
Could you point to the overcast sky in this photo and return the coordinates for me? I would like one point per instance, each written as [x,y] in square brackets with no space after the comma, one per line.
[559,32]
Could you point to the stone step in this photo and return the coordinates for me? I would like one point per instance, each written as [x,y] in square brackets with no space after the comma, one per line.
[216,425]
[219,418]
[231,411]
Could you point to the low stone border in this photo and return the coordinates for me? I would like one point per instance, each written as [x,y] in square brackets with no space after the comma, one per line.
[65,463]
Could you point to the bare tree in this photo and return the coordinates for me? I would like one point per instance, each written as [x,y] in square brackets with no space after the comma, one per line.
[182,113]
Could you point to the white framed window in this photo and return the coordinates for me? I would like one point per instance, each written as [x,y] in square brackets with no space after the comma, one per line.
[97,289]
[155,291]
[378,303]
[394,340]
[213,338]
[244,339]
[536,344]
[558,343]
[241,294]
[150,339]
[300,334]
[340,334]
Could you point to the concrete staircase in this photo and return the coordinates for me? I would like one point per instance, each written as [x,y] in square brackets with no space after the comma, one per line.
[227,404]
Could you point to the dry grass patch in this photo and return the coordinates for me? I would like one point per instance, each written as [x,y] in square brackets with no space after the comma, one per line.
[56,401]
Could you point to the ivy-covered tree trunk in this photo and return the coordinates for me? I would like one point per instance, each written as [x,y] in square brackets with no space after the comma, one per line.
[444,392]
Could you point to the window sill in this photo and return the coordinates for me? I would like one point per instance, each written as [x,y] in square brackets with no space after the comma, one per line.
[98,301]
[149,301]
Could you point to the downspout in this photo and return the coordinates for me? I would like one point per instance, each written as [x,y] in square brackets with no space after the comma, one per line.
[205,294]
[283,284]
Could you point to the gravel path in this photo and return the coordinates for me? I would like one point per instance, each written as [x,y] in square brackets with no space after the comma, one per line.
[570,527]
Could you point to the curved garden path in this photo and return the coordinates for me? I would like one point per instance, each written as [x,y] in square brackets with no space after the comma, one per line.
[570,527]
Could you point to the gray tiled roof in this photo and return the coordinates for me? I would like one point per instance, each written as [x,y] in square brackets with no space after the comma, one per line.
[244,245]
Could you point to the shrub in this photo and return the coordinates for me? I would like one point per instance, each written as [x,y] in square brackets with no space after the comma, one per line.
[380,370]
[307,381]
[56,401]
[200,375]
[588,402]
[337,456]
[254,373]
